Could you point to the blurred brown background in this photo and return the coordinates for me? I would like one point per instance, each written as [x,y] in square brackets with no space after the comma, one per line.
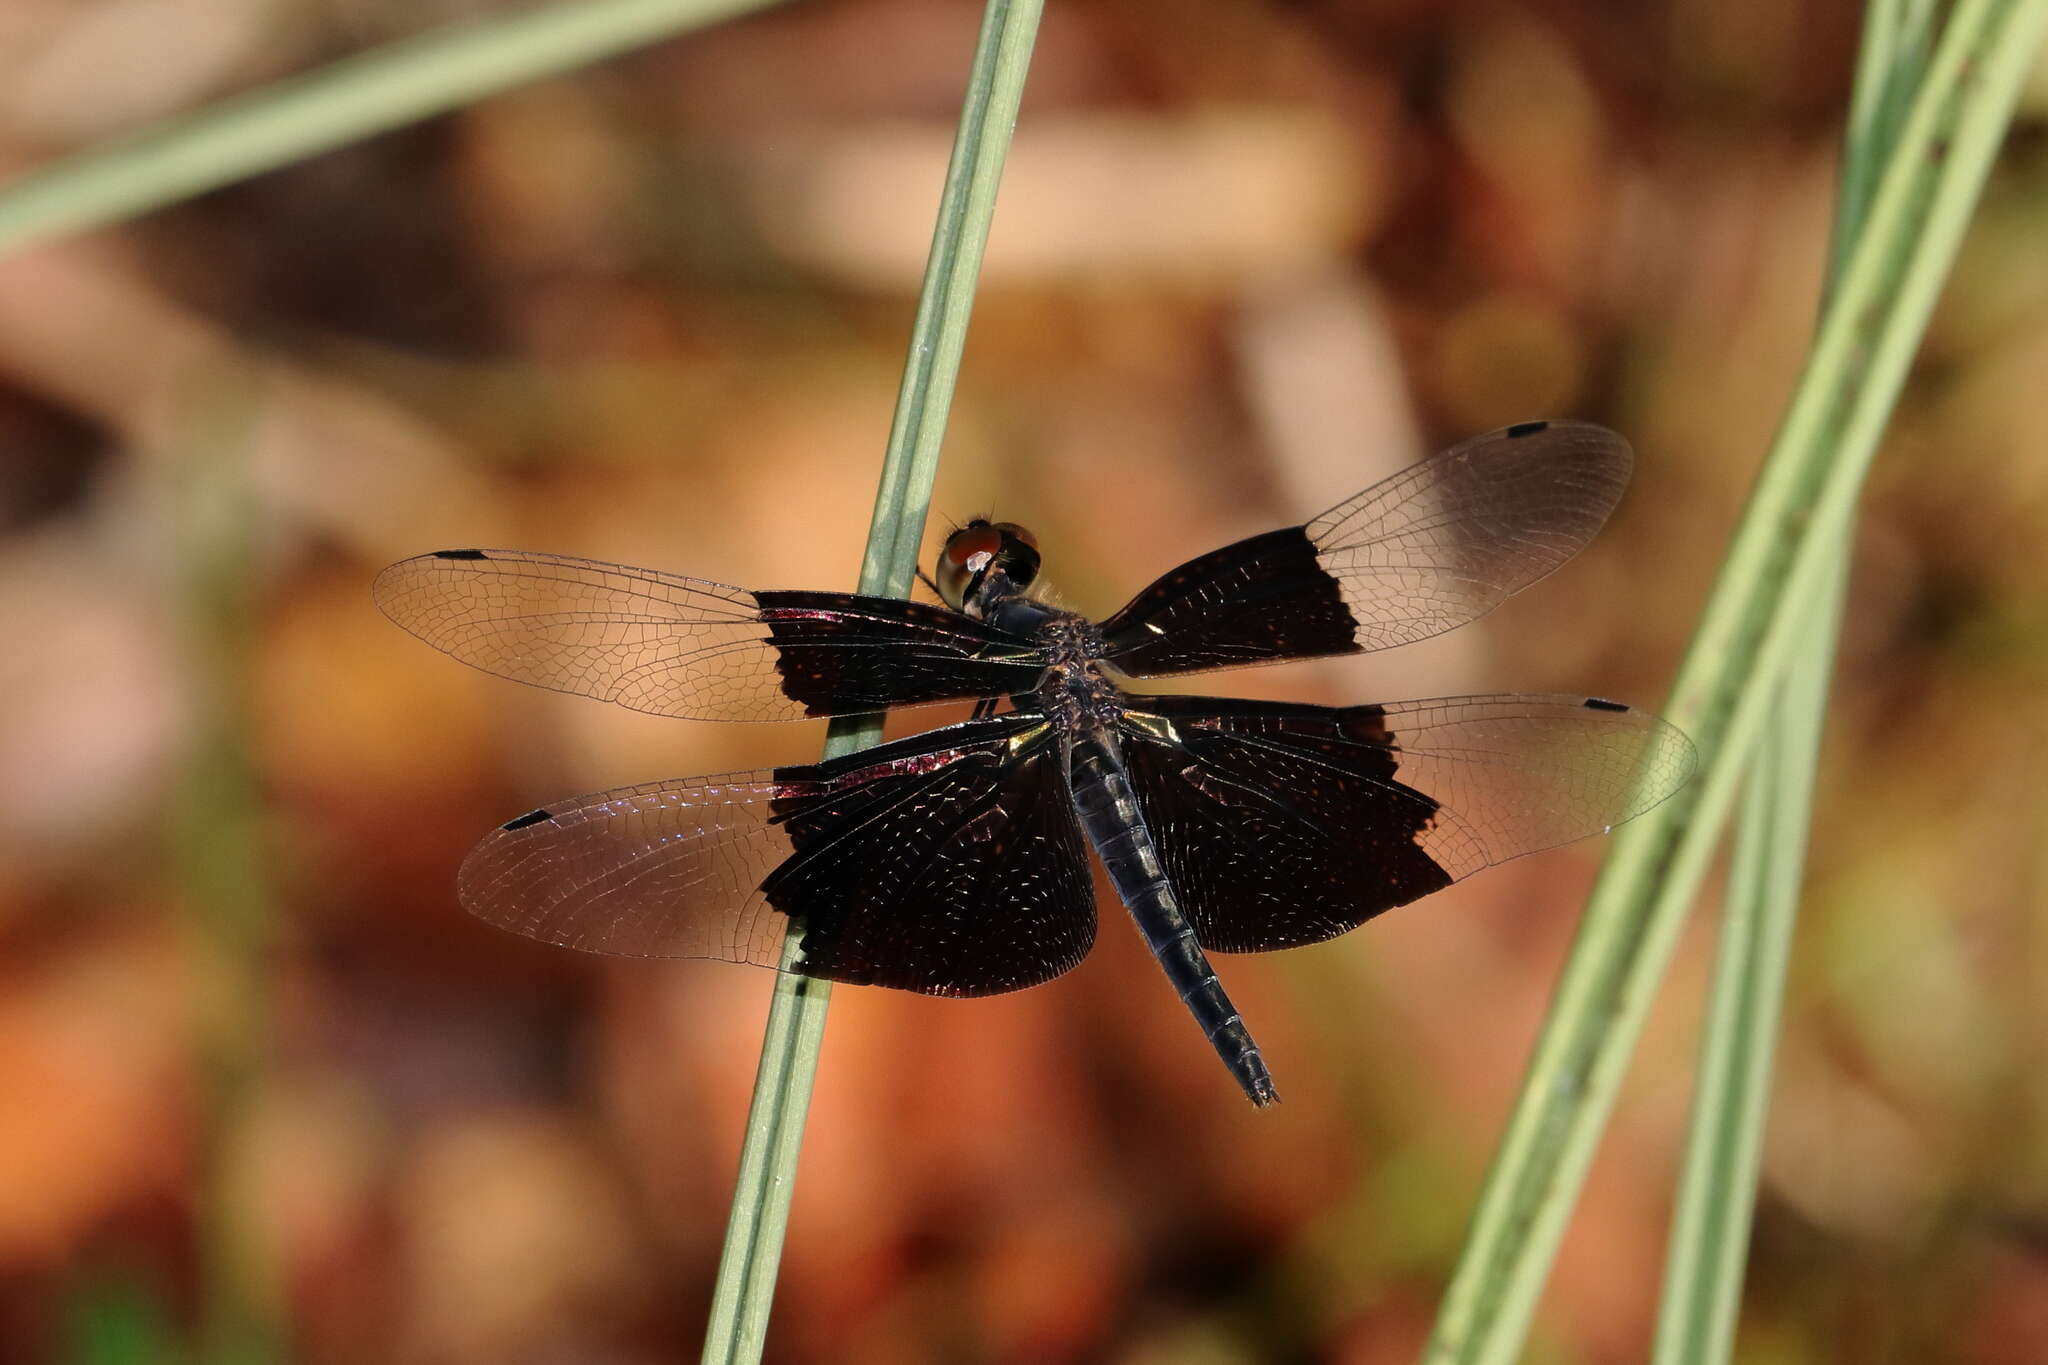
[260,1076]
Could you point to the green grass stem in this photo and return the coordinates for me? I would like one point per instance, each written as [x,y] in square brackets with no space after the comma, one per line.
[1709,1245]
[217,849]
[796,1018]
[301,116]
[1779,563]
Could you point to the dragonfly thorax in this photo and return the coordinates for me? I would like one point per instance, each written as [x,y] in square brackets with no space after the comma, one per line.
[1076,692]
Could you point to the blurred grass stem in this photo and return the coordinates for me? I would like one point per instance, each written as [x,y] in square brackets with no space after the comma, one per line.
[1784,553]
[217,848]
[355,98]
[1709,1247]
[796,1017]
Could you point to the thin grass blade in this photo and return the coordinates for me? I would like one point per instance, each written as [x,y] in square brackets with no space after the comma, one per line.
[1776,567]
[343,102]
[796,1017]
[1709,1246]
[218,848]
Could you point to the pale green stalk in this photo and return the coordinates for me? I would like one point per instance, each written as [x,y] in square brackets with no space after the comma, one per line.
[1777,566]
[419,77]
[1717,1187]
[217,845]
[344,102]
[796,1017]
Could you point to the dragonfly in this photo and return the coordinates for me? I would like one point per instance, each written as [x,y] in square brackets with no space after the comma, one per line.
[955,862]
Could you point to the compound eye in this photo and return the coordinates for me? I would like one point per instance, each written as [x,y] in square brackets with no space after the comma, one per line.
[963,545]
[968,551]
[1016,532]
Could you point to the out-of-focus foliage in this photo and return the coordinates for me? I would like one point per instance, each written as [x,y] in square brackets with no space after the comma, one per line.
[1249,257]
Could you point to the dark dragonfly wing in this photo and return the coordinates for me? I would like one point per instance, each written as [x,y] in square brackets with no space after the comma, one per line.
[1282,825]
[949,863]
[679,646]
[1437,545]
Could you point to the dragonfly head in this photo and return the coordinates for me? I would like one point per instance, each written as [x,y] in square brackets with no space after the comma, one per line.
[984,561]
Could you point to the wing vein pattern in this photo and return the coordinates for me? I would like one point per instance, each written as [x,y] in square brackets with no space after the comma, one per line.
[1425,551]
[1282,824]
[949,863]
[676,646]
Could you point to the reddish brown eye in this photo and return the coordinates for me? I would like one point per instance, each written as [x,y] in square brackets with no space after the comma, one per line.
[1016,532]
[967,552]
[963,545]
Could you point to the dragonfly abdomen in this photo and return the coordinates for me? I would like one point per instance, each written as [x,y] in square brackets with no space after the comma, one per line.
[1109,813]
